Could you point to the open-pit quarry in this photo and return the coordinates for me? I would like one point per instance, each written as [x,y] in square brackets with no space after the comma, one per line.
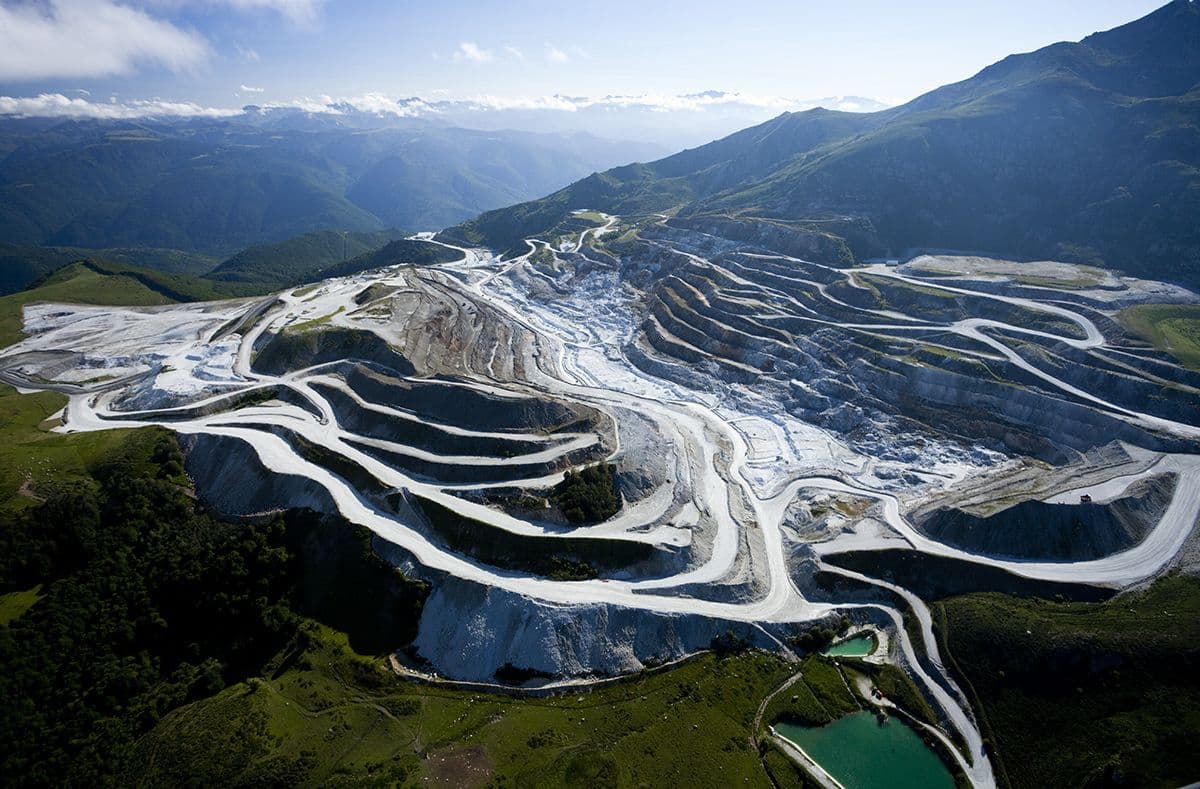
[781,434]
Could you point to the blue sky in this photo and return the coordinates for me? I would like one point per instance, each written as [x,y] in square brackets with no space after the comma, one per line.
[226,53]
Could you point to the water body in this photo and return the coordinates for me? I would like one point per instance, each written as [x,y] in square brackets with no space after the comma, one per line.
[861,753]
[859,646]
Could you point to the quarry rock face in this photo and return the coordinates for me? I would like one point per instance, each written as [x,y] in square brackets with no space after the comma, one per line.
[233,482]
[469,631]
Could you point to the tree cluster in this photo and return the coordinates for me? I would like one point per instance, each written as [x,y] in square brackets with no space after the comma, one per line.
[588,495]
[146,604]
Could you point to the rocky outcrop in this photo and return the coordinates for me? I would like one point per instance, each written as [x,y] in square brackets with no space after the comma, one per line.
[232,481]
[1074,532]
[942,397]
[295,350]
[449,402]
[469,631]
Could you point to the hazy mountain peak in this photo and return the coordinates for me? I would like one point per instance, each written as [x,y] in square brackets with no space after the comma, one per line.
[1075,150]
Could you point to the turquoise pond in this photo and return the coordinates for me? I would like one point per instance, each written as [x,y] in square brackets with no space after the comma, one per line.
[859,646]
[862,753]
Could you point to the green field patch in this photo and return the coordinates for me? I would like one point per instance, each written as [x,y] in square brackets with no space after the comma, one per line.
[1173,328]
[588,495]
[315,322]
[333,716]
[101,282]
[14,604]
[818,698]
[73,285]
[34,461]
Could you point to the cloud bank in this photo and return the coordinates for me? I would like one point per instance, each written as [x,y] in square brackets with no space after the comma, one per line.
[89,38]
[55,105]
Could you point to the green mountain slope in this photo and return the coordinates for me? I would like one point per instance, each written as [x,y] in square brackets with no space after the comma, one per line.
[742,159]
[211,210]
[241,654]
[299,258]
[21,265]
[216,186]
[413,252]
[1086,151]
[255,270]
[125,600]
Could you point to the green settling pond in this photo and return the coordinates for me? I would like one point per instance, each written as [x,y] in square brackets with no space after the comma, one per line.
[859,646]
[861,753]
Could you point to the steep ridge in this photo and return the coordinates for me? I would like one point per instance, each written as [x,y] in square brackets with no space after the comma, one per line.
[740,159]
[1085,151]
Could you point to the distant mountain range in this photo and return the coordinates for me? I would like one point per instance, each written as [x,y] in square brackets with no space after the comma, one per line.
[214,186]
[1085,151]
[673,121]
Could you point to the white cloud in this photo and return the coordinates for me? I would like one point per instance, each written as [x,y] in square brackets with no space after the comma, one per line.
[56,105]
[693,102]
[515,52]
[556,55]
[300,11]
[322,105]
[246,53]
[470,51]
[89,38]
[307,105]
[379,104]
[250,89]
[484,103]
